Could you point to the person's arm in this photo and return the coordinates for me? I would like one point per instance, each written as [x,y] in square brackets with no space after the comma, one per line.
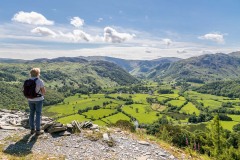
[43,90]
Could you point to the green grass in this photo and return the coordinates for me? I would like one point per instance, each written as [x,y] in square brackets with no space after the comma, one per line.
[200,96]
[177,103]
[67,107]
[235,118]
[169,95]
[124,95]
[69,119]
[142,116]
[190,109]
[114,118]
[98,113]
[140,98]
[99,122]
[212,104]
[159,98]
[228,124]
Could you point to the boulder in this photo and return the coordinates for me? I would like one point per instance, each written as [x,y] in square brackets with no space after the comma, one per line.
[10,128]
[69,126]
[106,137]
[64,133]
[94,127]
[144,143]
[47,125]
[58,124]
[54,129]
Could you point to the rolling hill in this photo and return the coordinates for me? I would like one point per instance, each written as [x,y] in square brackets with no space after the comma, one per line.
[65,76]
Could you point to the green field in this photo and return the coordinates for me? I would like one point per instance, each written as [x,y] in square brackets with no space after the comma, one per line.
[177,103]
[200,96]
[212,104]
[190,109]
[142,115]
[96,114]
[115,118]
[235,118]
[143,111]
[69,119]
[228,124]
[73,103]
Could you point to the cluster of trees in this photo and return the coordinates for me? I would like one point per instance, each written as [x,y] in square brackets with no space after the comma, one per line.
[165,91]
[201,118]
[12,96]
[226,110]
[229,89]
[216,142]
[139,88]
[7,77]
[194,80]
[80,111]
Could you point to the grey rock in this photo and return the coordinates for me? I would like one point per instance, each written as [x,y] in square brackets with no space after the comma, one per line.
[142,158]
[64,133]
[144,143]
[162,154]
[94,127]
[11,128]
[56,129]
[47,125]
[58,124]
[106,137]
[5,110]
[171,157]
[69,126]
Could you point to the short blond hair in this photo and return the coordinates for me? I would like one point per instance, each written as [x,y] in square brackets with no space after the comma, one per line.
[35,72]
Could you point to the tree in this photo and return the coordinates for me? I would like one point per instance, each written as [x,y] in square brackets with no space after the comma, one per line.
[136,110]
[217,137]
[236,127]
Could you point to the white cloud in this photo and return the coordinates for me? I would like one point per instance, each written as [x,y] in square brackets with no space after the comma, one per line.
[100,19]
[111,35]
[43,31]
[33,18]
[80,35]
[213,37]
[76,36]
[77,22]
[168,42]
[181,51]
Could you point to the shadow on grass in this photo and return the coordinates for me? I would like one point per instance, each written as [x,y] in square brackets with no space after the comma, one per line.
[22,147]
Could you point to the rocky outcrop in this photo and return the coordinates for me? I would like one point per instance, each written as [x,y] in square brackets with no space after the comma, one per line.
[90,142]
[17,120]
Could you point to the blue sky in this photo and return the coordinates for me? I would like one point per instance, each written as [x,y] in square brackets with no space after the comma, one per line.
[130,29]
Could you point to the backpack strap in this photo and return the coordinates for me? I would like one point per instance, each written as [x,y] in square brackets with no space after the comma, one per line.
[39,95]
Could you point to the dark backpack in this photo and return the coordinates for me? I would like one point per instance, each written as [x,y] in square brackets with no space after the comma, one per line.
[29,89]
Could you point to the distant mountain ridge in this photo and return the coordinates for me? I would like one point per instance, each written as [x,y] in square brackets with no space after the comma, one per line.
[204,68]
[135,67]
[207,68]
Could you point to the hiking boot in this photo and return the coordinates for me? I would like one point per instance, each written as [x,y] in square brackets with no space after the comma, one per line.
[32,131]
[39,132]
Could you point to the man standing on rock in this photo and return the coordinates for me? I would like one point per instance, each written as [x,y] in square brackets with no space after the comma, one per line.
[34,91]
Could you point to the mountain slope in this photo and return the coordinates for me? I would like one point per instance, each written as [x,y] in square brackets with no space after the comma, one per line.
[138,68]
[207,68]
[229,89]
[62,75]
